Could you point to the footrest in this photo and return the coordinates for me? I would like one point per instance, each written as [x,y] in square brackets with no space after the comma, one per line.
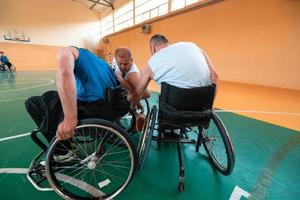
[36,173]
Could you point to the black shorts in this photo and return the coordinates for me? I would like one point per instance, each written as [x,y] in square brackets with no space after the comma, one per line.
[47,113]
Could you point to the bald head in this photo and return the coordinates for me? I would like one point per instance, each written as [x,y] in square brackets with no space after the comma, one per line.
[123,52]
[123,58]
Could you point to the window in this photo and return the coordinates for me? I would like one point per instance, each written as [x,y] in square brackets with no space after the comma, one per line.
[148,9]
[138,11]
[123,17]
[177,4]
[107,26]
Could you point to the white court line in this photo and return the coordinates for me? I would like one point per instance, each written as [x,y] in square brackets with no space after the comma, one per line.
[80,184]
[21,83]
[15,99]
[62,177]
[13,170]
[26,88]
[238,193]
[15,136]
[259,112]
[35,72]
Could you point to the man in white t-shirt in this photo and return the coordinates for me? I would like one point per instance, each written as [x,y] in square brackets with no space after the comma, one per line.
[128,75]
[182,64]
[124,67]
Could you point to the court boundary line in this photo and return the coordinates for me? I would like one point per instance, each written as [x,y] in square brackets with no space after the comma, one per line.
[258,112]
[13,170]
[15,99]
[14,136]
[26,82]
[62,177]
[51,81]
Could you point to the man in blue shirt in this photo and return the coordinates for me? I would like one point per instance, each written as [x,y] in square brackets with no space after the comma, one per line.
[4,60]
[82,79]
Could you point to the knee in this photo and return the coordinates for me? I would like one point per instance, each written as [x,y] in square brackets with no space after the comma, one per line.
[33,103]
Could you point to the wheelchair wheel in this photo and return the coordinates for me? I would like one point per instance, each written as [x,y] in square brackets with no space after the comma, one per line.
[101,161]
[12,68]
[218,146]
[146,137]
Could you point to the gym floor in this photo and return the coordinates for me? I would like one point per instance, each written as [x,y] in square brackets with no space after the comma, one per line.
[266,141]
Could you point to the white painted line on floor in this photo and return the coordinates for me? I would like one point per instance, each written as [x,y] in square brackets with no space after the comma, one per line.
[34,72]
[26,88]
[258,112]
[15,136]
[13,170]
[238,193]
[22,83]
[14,99]
[80,184]
[62,177]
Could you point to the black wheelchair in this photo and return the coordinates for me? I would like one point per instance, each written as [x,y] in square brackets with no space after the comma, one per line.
[102,159]
[190,112]
[5,68]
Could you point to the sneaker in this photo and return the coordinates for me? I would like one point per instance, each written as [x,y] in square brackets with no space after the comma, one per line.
[64,158]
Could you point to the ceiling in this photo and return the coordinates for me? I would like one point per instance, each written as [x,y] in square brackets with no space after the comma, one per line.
[97,5]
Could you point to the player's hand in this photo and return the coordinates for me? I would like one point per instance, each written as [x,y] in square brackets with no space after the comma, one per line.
[66,129]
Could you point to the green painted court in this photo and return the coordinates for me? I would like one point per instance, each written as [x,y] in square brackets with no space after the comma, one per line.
[267,156]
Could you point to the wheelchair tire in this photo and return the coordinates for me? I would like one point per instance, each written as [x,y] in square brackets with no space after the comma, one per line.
[146,137]
[218,146]
[101,164]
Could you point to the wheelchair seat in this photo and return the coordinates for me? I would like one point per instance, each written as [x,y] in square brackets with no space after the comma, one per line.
[189,110]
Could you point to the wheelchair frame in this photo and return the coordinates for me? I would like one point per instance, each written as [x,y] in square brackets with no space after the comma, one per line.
[99,144]
[5,68]
[175,103]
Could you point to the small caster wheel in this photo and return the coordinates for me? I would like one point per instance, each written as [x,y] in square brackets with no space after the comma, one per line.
[180,186]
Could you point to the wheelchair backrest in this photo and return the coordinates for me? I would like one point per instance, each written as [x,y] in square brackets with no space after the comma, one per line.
[114,94]
[193,99]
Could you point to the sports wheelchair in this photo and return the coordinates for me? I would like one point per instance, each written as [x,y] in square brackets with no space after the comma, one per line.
[190,111]
[103,159]
[4,67]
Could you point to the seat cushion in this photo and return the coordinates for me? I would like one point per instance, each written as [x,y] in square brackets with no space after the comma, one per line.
[170,115]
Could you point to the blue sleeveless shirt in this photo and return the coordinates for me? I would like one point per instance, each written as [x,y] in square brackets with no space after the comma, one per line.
[93,75]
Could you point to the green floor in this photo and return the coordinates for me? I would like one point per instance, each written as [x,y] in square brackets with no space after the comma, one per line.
[267,156]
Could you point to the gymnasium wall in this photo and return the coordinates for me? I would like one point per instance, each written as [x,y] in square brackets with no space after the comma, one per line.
[50,25]
[249,41]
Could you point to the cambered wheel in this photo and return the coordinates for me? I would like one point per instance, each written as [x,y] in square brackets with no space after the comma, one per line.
[218,146]
[97,163]
[146,136]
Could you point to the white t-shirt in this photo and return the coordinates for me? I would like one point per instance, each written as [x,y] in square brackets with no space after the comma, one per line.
[182,64]
[117,70]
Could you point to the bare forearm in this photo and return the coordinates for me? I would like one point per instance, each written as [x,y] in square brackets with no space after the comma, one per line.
[127,86]
[67,93]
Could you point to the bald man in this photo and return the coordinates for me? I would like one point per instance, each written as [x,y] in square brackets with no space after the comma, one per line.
[128,75]
[127,72]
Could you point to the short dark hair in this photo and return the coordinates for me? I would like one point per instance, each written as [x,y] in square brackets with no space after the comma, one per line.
[158,38]
[1,52]
[123,51]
